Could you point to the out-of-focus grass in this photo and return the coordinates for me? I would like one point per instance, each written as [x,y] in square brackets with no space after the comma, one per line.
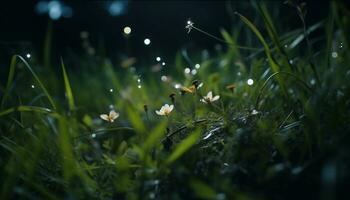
[284,137]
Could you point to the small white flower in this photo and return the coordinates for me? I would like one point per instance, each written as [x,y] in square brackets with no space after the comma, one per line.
[111,117]
[209,98]
[165,110]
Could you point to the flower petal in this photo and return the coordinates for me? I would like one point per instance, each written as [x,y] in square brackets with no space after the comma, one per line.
[159,112]
[215,98]
[210,95]
[171,107]
[113,114]
[104,117]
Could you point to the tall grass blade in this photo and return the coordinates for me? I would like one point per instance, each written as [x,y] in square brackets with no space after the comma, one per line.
[11,76]
[273,33]
[68,88]
[273,65]
[155,136]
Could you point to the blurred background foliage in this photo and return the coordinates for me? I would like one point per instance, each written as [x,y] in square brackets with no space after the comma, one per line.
[279,130]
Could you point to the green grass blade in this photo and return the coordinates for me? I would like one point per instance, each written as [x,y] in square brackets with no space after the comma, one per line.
[301,37]
[67,87]
[273,33]
[9,80]
[184,146]
[273,65]
[35,109]
[155,136]
[11,76]
[136,121]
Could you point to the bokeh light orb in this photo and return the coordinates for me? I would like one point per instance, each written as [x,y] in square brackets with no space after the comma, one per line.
[147,41]
[250,81]
[127,30]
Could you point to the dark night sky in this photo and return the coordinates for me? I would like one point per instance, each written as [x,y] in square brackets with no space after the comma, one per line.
[161,21]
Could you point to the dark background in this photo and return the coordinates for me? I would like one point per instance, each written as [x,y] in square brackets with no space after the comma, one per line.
[23,29]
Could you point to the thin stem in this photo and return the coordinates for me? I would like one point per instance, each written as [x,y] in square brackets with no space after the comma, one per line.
[223,41]
[182,128]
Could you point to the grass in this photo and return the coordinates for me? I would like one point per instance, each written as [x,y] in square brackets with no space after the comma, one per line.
[284,137]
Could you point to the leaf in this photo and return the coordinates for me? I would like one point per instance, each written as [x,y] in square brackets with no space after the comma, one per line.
[202,190]
[184,146]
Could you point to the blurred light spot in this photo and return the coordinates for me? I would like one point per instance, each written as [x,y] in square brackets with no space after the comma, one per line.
[91,51]
[187,70]
[189,22]
[197,66]
[147,41]
[279,167]
[55,10]
[111,90]
[28,55]
[139,86]
[93,135]
[291,61]
[138,80]
[84,34]
[127,30]
[163,63]
[158,59]
[239,74]
[164,78]
[117,8]
[194,72]
[285,46]
[250,81]
[297,170]
[329,174]
[334,54]
[32,86]
[312,82]
[177,86]
[111,106]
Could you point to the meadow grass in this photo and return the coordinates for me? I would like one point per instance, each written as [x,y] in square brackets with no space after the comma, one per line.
[285,136]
